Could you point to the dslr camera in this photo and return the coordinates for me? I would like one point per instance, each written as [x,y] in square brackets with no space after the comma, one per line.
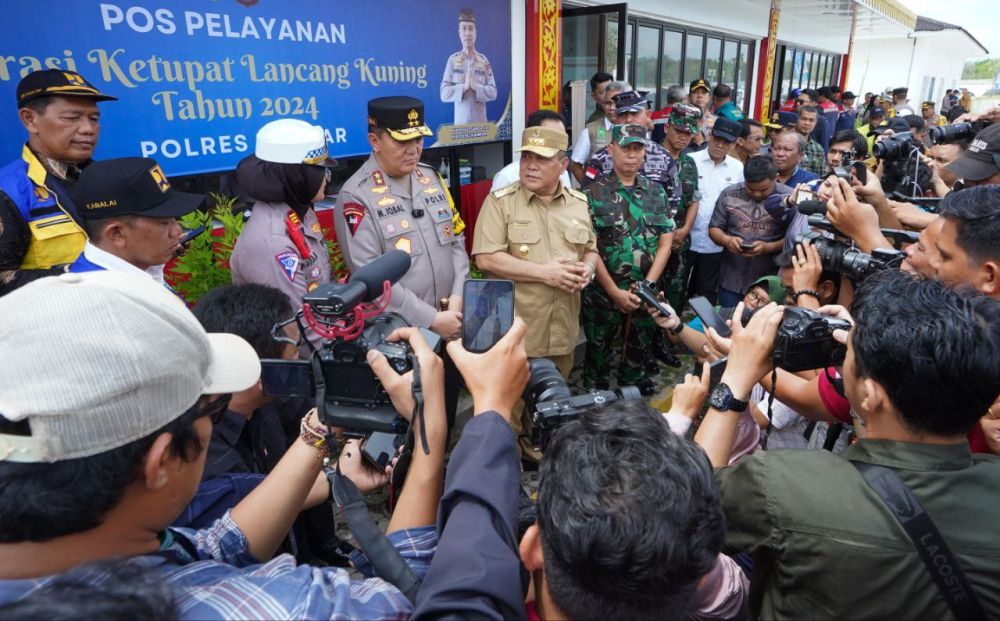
[805,340]
[550,403]
[847,260]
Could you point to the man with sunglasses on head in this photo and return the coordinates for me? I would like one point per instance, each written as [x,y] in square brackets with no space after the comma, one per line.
[105,446]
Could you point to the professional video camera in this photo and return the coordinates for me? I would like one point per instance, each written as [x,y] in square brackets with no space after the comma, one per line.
[955,132]
[845,258]
[351,320]
[550,403]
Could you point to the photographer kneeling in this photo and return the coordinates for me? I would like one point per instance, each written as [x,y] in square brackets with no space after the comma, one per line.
[920,370]
[104,447]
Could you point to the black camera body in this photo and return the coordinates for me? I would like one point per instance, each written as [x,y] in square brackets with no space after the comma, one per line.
[805,340]
[946,134]
[550,403]
[897,147]
[354,398]
[846,259]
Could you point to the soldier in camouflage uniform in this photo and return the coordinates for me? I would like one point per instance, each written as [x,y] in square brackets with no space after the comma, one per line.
[659,166]
[682,125]
[634,230]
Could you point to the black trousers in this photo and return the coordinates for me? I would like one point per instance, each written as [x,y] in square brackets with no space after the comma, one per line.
[704,275]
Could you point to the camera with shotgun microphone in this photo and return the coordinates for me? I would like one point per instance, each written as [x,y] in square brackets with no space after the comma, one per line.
[350,317]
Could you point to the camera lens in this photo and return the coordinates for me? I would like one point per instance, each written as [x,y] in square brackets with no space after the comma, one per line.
[545,382]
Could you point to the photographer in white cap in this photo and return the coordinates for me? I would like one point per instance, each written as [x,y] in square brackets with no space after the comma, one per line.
[103,437]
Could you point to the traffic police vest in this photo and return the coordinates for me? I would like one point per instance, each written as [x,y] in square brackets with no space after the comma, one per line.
[56,239]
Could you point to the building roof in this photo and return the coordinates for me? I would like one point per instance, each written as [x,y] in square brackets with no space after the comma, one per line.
[926,24]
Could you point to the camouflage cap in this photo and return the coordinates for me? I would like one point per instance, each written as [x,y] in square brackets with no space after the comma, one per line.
[545,141]
[684,118]
[629,133]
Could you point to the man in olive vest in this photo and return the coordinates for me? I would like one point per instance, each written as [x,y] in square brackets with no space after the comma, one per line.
[39,225]
[597,134]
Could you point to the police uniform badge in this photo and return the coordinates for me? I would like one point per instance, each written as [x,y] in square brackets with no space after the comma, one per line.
[385,201]
[353,215]
[289,263]
[403,244]
[421,177]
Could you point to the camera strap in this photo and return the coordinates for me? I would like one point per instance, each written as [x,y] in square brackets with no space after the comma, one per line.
[385,558]
[931,546]
[418,405]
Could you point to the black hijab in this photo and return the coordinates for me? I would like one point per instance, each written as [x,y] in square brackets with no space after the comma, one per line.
[292,184]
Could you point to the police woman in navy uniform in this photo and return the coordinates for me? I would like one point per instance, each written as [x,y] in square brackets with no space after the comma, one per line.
[282,243]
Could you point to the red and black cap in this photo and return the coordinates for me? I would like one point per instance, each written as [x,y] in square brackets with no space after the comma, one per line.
[130,186]
[57,83]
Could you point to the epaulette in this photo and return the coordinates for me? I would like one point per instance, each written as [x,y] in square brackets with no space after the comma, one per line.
[577,193]
[506,190]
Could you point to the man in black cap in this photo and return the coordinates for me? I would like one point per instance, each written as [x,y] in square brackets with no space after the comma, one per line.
[129,211]
[395,202]
[468,80]
[39,224]
[700,96]
[980,163]
[900,103]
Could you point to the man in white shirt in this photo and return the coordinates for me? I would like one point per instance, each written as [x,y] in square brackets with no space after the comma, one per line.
[129,212]
[597,134]
[717,170]
[511,172]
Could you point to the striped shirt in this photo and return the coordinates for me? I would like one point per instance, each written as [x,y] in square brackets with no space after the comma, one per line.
[213,576]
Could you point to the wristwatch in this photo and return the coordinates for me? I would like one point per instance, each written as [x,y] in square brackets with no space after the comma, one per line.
[722,399]
[676,330]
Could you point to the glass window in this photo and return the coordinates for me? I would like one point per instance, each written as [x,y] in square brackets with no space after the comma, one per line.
[797,68]
[693,57]
[670,63]
[611,46]
[628,52]
[742,71]
[787,82]
[713,51]
[729,63]
[647,56]
[580,40]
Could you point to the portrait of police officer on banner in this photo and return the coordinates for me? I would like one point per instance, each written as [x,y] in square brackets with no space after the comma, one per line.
[468,80]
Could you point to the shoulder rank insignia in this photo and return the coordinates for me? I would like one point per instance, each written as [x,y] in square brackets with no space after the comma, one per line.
[421,177]
[577,193]
[380,186]
[506,190]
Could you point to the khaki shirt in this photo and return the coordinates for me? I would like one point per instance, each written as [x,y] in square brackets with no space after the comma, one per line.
[470,106]
[516,221]
[264,253]
[375,214]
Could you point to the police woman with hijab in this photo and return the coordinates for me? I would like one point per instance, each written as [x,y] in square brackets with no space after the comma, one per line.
[282,243]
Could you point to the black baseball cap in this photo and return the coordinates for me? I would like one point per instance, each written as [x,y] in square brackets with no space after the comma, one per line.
[848,95]
[402,117]
[55,82]
[982,158]
[726,129]
[897,124]
[130,186]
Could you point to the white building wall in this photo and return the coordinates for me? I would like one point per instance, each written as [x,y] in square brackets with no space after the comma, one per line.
[728,16]
[912,62]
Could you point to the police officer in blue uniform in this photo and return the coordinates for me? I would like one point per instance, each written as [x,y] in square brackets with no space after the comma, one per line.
[40,228]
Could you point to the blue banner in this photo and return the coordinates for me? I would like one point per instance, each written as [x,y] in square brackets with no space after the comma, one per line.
[196,79]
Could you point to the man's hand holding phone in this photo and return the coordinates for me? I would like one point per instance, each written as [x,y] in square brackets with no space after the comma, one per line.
[496,378]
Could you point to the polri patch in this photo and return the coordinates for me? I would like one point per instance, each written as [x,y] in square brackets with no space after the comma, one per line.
[289,262]
[354,213]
